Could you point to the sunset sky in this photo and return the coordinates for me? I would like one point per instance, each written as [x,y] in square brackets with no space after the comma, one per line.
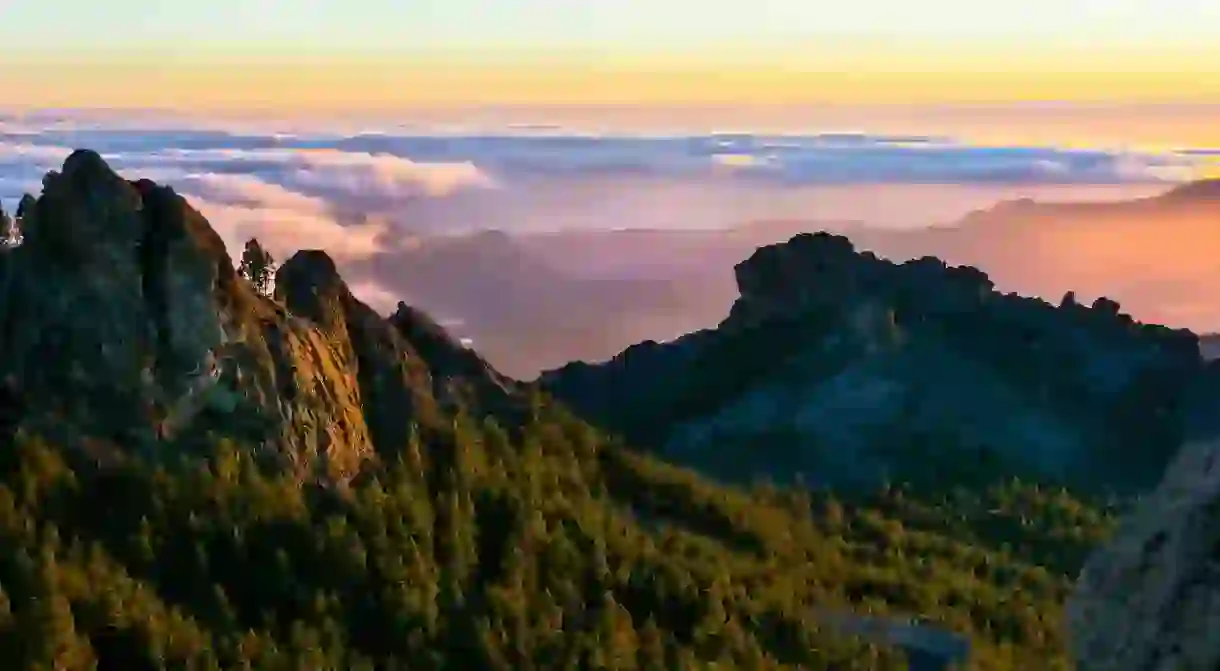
[366,55]
[531,51]
[562,114]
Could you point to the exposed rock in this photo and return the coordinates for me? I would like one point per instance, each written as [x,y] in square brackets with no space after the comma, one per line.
[24,205]
[122,310]
[460,374]
[839,356]
[1150,600]
[405,365]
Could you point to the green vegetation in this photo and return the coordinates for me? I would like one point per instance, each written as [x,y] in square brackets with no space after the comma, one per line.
[549,547]
[257,266]
[8,230]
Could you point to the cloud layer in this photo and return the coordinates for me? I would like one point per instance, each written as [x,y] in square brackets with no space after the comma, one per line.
[360,195]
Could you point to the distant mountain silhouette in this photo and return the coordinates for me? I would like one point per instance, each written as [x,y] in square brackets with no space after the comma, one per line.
[1206,190]
[525,314]
[1153,255]
[536,300]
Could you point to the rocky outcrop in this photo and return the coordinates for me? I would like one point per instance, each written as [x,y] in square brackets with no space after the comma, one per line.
[841,365]
[1150,600]
[405,366]
[122,311]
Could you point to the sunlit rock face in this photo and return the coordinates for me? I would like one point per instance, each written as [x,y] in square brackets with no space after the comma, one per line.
[122,312]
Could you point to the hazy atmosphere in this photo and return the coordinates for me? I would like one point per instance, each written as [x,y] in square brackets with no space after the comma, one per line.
[453,335]
[365,127]
[376,195]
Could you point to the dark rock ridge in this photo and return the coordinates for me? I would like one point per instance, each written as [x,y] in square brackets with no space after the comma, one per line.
[831,358]
[122,311]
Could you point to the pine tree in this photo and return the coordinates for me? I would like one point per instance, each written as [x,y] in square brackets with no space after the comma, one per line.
[8,230]
[257,266]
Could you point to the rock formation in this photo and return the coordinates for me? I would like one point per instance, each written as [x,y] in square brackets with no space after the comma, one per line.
[1149,600]
[831,358]
[122,311]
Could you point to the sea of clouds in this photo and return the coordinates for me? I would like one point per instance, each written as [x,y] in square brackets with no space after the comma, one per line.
[357,194]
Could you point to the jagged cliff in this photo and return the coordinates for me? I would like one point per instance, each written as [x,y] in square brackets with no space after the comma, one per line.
[847,367]
[123,320]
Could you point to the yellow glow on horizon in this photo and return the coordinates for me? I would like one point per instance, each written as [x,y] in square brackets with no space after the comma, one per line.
[858,74]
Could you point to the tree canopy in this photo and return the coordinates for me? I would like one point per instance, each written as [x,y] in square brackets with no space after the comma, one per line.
[480,548]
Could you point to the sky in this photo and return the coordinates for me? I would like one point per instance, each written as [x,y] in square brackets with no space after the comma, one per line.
[356,125]
[368,198]
[617,25]
[391,54]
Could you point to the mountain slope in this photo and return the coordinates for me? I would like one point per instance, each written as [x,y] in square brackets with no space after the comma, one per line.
[848,368]
[356,492]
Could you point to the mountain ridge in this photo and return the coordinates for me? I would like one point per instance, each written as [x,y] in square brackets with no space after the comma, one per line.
[195,475]
[1147,253]
[818,324]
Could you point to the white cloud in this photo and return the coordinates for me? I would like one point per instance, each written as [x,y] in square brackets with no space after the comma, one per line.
[251,192]
[384,174]
[360,195]
[26,153]
[284,231]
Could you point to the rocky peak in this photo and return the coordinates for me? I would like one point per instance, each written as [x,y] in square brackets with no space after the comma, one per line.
[852,354]
[122,314]
[777,280]
[87,215]
[448,360]
[415,323]
[112,284]
[310,285]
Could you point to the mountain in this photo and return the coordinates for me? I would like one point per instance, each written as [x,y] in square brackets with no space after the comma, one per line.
[194,475]
[124,319]
[522,312]
[536,300]
[1151,254]
[848,368]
